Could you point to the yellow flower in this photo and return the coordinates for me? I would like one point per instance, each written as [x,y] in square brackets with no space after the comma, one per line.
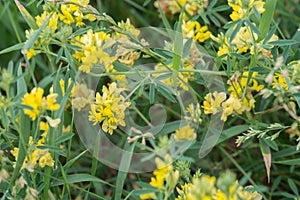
[148,196]
[92,51]
[212,102]
[38,103]
[279,81]
[157,181]
[46,159]
[73,12]
[64,88]
[193,29]
[229,106]
[30,53]
[52,21]
[109,109]
[51,102]
[237,87]
[185,133]
[223,50]
[241,10]
[34,100]
[244,39]
[66,15]
[193,113]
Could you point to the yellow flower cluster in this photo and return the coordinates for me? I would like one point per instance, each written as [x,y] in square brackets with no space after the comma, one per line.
[47,32]
[164,176]
[82,96]
[126,52]
[40,19]
[244,41]
[236,103]
[192,7]
[92,52]
[243,9]
[38,103]
[109,109]
[42,157]
[280,82]
[193,113]
[73,11]
[185,133]
[205,188]
[193,29]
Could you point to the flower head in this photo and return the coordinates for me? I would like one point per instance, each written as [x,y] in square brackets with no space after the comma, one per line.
[109,108]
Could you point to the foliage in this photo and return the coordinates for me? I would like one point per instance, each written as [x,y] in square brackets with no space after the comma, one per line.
[97,103]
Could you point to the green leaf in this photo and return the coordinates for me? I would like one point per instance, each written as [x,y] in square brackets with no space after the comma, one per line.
[276,183]
[283,42]
[10,136]
[236,30]
[231,132]
[36,34]
[64,137]
[24,133]
[21,84]
[288,162]
[59,54]
[293,187]
[68,56]
[266,153]
[166,128]
[177,49]
[123,169]
[70,162]
[121,67]
[166,92]
[164,18]
[221,8]
[15,47]
[267,18]
[152,93]
[253,28]
[297,98]
[271,144]
[53,149]
[78,178]
[28,18]
[212,4]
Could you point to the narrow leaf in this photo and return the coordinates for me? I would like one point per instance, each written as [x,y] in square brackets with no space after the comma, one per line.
[28,18]
[266,153]
[267,17]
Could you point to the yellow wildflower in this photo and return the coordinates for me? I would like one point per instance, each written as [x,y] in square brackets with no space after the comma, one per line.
[223,50]
[229,106]
[241,11]
[193,29]
[38,103]
[51,102]
[279,81]
[109,109]
[46,159]
[193,113]
[185,133]
[212,102]
[244,39]
[92,51]
[34,100]
[73,12]
[30,53]
[82,96]
[52,21]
